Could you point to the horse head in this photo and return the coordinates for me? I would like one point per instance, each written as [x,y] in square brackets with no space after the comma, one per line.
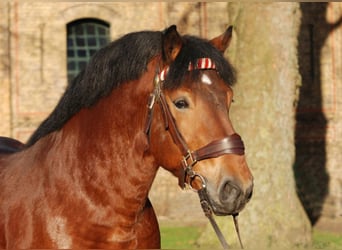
[192,135]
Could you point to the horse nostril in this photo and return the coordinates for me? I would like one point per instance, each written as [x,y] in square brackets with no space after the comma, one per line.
[249,193]
[229,192]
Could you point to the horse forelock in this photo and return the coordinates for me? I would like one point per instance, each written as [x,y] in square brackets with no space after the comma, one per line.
[193,49]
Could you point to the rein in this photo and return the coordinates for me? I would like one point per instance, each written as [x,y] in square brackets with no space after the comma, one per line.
[228,145]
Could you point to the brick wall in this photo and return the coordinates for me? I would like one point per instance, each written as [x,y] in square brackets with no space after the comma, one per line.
[5,60]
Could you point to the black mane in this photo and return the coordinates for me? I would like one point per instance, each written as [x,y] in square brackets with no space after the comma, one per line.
[122,61]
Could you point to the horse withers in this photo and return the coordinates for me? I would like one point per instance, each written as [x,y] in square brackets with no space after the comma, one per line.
[146,100]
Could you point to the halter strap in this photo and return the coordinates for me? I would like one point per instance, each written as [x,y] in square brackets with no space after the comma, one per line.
[228,145]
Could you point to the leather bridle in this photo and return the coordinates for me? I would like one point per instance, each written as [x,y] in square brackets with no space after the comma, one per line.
[228,145]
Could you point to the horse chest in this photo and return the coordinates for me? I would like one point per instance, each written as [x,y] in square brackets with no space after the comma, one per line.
[68,233]
[57,230]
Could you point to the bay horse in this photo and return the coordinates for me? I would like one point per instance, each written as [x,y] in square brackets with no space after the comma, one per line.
[82,179]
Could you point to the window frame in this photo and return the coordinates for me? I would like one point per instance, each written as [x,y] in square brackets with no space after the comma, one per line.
[84,37]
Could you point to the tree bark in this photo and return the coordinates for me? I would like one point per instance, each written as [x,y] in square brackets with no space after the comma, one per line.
[264,52]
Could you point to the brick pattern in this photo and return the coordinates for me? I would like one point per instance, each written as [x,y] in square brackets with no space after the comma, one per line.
[5,61]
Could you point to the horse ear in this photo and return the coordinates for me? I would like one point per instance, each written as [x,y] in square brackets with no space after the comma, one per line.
[172,44]
[222,42]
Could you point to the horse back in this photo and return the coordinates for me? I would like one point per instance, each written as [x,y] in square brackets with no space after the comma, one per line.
[10,145]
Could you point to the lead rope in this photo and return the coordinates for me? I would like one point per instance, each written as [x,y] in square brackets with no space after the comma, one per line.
[202,193]
[236,224]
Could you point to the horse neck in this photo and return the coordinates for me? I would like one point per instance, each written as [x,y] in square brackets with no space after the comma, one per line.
[106,147]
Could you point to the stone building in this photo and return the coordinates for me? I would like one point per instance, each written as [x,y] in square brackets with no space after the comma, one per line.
[36,59]
[34,47]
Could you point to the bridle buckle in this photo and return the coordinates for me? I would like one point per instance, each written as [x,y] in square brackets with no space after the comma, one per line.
[188,160]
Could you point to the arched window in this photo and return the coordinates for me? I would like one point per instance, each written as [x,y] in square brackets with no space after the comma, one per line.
[84,38]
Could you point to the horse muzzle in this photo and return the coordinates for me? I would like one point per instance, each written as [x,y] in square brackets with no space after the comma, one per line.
[230,198]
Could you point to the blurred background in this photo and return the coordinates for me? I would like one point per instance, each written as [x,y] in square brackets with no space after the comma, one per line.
[287,104]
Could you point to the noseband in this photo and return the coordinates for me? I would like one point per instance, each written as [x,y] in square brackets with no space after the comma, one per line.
[228,145]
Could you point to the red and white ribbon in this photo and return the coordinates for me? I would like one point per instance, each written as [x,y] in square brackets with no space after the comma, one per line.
[201,63]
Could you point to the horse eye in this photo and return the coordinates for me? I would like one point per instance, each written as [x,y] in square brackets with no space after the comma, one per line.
[181,104]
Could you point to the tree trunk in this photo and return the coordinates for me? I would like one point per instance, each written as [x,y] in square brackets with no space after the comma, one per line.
[264,52]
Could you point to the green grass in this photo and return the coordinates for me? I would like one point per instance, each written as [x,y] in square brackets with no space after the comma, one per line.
[326,240]
[179,237]
[185,238]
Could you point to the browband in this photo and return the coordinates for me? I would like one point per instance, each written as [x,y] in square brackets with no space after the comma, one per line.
[201,63]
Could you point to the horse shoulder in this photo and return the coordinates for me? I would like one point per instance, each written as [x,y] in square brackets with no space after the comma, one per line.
[22,206]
